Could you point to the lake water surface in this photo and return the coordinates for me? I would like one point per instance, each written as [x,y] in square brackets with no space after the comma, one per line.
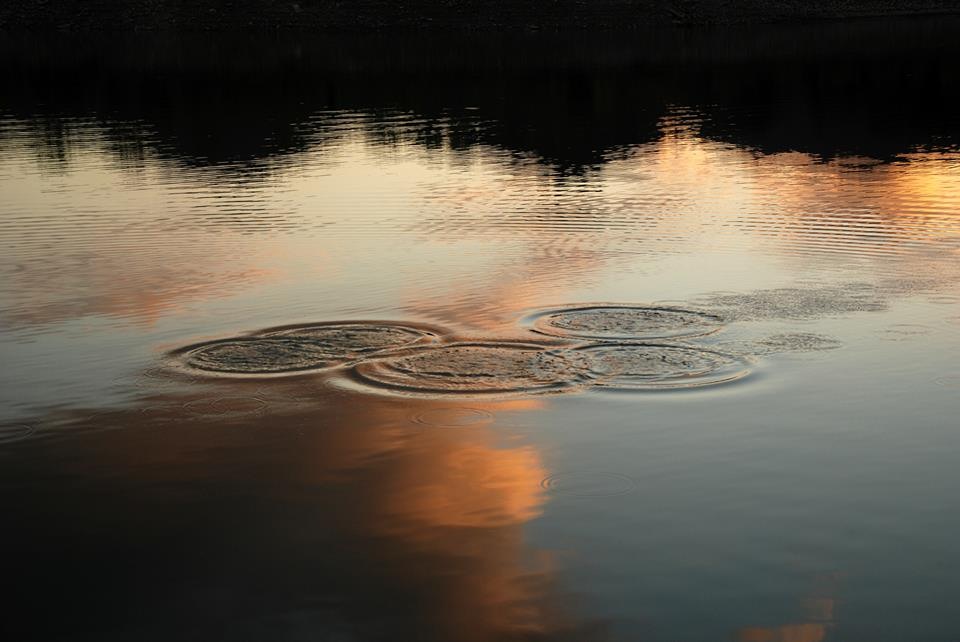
[649,337]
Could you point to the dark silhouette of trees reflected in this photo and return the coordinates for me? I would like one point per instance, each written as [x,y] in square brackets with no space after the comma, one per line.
[876,89]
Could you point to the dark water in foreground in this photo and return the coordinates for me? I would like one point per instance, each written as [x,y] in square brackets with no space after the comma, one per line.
[639,338]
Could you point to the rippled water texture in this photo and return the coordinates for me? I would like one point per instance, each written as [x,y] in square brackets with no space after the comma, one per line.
[625,322]
[298,348]
[476,367]
[482,338]
[653,366]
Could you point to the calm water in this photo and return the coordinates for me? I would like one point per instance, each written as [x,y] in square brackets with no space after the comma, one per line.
[649,337]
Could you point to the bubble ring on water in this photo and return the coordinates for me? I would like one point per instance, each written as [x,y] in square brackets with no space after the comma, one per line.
[610,484]
[10,433]
[659,366]
[619,322]
[453,416]
[258,356]
[294,349]
[357,337]
[472,368]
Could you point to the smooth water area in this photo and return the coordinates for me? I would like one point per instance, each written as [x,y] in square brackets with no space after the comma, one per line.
[641,337]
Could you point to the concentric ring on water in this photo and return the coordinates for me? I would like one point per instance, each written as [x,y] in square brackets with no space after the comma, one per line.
[453,416]
[589,484]
[355,337]
[652,366]
[226,406]
[476,368]
[623,322]
[260,355]
[292,349]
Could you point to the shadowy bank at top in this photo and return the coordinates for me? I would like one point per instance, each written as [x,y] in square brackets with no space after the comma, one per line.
[877,89]
[365,15]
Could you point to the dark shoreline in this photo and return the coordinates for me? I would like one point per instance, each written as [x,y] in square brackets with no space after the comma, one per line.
[380,15]
[885,88]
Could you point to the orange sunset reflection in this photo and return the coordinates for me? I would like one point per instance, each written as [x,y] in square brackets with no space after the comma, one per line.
[820,615]
[432,513]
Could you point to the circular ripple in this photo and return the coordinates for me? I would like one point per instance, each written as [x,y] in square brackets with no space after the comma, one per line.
[453,417]
[226,406]
[262,355]
[156,377]
[648,366]
[949,381]
[589,484]
[356,337]
[477,368]
[16,432]
[292,349]
[615,322]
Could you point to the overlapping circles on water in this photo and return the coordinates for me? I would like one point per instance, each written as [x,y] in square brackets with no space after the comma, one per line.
[612,346]
[292,349]
[478,368]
